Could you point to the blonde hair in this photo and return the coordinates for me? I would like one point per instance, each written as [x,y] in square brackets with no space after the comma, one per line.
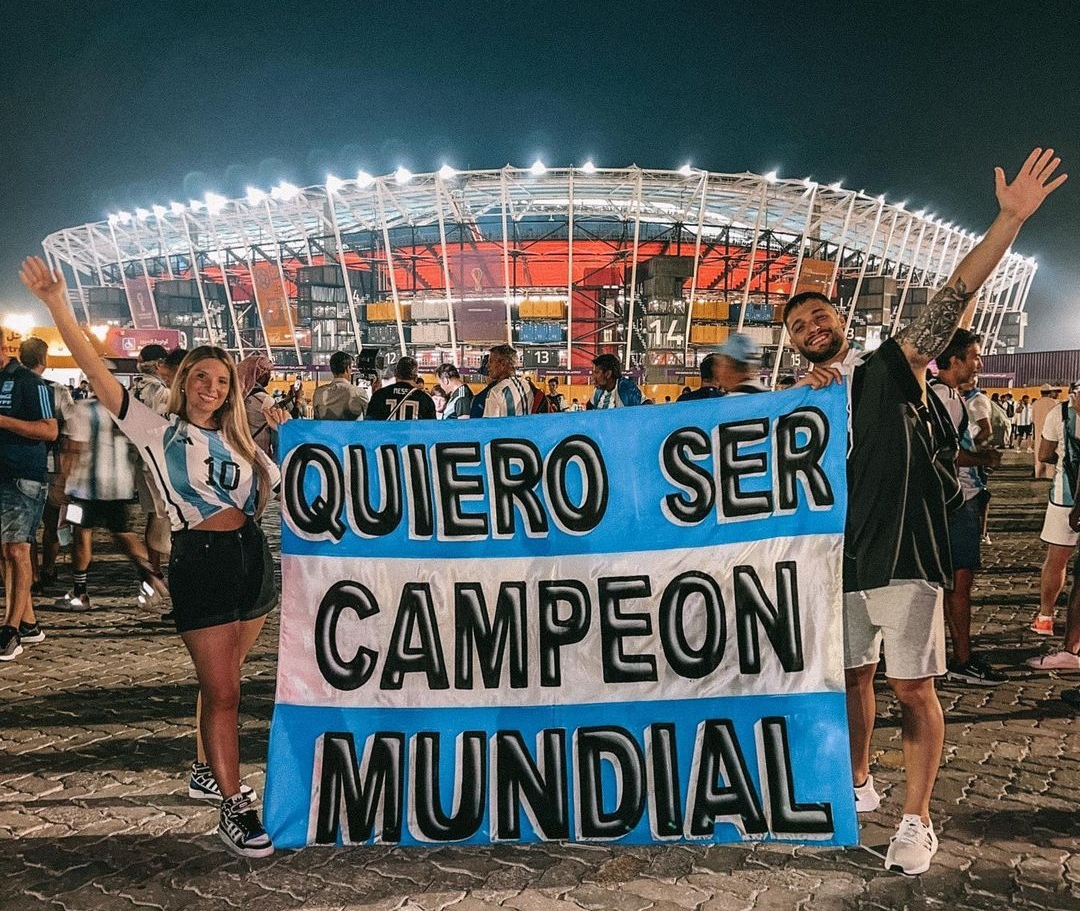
[231,416]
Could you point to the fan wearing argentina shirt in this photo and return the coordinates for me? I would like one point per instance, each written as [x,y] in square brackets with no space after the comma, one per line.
[215,482]
[506,395]
[613,390]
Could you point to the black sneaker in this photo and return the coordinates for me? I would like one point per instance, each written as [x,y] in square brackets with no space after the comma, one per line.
[10,647]
[241,830]
[45,580]
[976,672]
[31,632]
[203,786]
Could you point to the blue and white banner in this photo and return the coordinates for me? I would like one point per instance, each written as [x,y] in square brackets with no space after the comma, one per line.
[602,626]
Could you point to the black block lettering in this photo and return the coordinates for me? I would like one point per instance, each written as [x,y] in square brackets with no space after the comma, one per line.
[516,468]
[685,660]
[368,520]
[491,641]
[794,461]
[731,799]
[780,620]
[361,810]
[592,746]
[321,517]
[339,673]
[470,775]
[520,785]
[679,457]
[415,617]
[734,465]
[615,626]
[454,488]
[556,632]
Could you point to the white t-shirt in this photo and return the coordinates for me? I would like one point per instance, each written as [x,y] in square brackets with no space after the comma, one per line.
[508,398]
[1054,432]
[970,482]
[979,409]
[196,471]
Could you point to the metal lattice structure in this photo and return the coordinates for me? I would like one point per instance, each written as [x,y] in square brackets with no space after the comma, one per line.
[650,264]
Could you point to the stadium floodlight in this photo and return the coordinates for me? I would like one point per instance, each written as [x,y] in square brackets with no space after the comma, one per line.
[402,175]
[447,173]
[588,168]
[254,196]
[686,170]
[836,187]
[881,199]
[215,203]
[333,184]
[921,213]
[195,205]
[125,217]
[159,211]
[538,169]
[364,179]
[114,219]
[808,183]
[142,214]
[285,191]
[772,177]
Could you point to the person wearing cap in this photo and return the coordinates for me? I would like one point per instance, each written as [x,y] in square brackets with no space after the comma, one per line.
[403,400]
[1040,409]
[901,474]
[613,390]
[340,400]
[738,360]
[1059,446]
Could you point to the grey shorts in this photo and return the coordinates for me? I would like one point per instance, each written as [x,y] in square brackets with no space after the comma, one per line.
[906,620]
[21,504]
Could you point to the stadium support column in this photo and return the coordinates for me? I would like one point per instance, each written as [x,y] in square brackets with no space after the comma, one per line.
[248,261]
[344,267]
[939,272]
[210,331]
[281,278]
[78,281]
[440,194]
[795,279]
[763,204]
[895,324]
[505,202]
[999,286]
[840,241]
[697,265]
[866,258]
[228,291]
[570,271]
[379,188]
[1020,297]
[633,273]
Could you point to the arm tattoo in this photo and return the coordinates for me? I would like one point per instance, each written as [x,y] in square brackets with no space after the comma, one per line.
[930,332]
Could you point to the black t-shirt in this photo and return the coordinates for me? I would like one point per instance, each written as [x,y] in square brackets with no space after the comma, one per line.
[27,398]
[897,522]
[703,392]
[400,402]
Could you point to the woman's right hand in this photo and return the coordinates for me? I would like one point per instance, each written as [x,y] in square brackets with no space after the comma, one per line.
[46,284]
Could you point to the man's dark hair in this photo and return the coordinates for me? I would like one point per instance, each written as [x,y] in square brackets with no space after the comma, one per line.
[406,368]
[960,342]
[175,358]
[33,352]
[801,298]
[608,362]
[447,372]
[340,361]
[152,353]
[706,367]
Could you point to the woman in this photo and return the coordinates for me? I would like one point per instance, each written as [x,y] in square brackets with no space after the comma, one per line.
[254,372]
[215,482]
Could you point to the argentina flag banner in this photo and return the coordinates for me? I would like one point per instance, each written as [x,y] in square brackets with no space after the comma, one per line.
[618,626]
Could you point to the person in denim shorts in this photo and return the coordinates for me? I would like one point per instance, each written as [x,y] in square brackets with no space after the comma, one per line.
[26,425]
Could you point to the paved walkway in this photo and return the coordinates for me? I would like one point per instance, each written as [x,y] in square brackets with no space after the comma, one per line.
[95,724]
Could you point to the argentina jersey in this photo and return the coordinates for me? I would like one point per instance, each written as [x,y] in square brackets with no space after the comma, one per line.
[510,397]
[196,471]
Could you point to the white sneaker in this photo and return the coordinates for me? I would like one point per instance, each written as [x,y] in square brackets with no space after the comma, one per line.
[866,798]
[912,847]
[1057,659]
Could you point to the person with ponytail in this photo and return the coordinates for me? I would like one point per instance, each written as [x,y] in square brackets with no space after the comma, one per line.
[215,483]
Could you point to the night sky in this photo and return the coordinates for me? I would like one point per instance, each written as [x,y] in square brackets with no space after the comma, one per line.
[108,106]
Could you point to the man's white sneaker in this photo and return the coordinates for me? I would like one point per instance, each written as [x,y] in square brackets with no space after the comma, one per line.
[866,798]
[912,847]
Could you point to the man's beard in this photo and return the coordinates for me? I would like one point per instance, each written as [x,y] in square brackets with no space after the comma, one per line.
[826,354]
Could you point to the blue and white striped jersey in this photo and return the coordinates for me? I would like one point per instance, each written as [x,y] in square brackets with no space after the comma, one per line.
[196,471]
[508,398]
[107,463]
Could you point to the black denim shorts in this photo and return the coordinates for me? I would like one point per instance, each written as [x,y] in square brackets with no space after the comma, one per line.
[218,577]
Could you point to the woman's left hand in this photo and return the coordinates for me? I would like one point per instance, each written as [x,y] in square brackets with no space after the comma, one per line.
[275,416]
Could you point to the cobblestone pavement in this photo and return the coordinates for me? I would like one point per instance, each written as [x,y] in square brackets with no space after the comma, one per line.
[97,737]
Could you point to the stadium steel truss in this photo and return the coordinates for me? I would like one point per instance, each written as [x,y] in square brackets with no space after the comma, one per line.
[656,266]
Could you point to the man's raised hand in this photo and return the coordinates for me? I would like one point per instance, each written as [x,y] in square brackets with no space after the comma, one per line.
[1032,185]
[44,283]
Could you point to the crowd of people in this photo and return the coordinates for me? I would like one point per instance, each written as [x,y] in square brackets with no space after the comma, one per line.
[192,442]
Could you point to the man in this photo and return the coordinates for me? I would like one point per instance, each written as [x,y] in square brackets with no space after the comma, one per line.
[896,556]
[167,368]
[710,382]
[1024,423]
[613,390]
[958,365]
[459,396]
[1059,446]
[403,400]
[737,364]
[506,394]
[1040,408]
[150,389]
[34,356]
[556,398]
[340,400]
[1067,658]
[26,425]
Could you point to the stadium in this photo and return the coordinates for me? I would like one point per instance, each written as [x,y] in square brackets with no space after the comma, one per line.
[655,266]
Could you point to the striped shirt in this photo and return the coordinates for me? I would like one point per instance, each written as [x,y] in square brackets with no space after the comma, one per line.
[106,469]
[625,393]
[196,471]
[508,398]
